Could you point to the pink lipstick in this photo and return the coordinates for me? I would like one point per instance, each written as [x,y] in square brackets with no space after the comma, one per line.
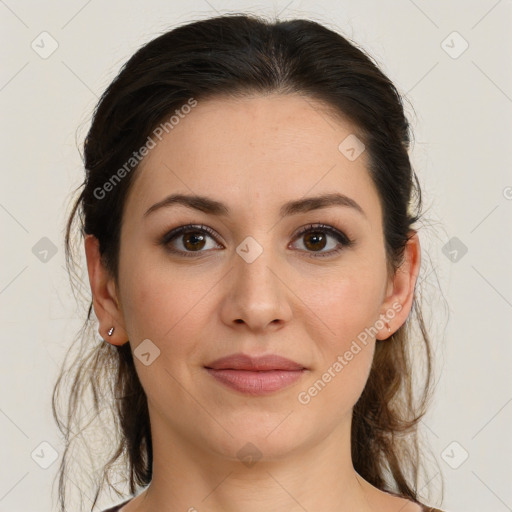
[255,375]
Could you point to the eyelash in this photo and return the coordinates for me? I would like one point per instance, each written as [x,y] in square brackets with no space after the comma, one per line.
[191,228]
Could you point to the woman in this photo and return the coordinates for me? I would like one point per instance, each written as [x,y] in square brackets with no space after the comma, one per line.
[253,263]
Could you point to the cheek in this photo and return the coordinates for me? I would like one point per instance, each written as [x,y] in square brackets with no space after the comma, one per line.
[348,305]
[340,383]
[346,350]
[157,308]
[348,308]
[162,305]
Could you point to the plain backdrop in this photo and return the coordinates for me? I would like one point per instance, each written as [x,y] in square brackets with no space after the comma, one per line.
[452,61]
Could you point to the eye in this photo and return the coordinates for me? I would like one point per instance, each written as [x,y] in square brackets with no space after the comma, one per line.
[315,238]
[192,239]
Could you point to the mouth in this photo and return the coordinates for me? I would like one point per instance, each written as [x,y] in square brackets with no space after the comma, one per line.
[255,375]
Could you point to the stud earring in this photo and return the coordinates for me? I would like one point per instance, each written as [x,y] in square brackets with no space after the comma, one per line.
[110,331]
[389,328]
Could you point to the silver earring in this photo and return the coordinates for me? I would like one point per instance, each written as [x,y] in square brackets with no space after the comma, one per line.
[110,331]
[389,328]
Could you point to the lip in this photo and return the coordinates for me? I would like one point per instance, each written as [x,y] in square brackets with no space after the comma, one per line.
[255,375]
[241,361]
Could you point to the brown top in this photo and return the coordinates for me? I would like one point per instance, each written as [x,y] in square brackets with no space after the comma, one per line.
[117,507]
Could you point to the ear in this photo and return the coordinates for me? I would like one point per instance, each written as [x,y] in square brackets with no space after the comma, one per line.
[400,291]
[104,295]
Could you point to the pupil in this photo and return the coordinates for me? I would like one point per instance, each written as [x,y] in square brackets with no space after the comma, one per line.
[318,237]
[197,237]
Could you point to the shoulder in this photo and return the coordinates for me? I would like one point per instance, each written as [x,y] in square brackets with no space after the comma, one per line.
[117,508]
[407,505]
[417,507]
[424,508]
[389,501]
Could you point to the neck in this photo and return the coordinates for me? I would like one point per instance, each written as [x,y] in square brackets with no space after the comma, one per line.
[187,477]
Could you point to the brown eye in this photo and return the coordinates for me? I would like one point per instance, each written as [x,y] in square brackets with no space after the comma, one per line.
[316,238]
[187,240]
[193,240]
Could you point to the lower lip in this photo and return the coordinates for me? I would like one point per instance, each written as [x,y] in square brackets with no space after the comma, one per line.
[256,383]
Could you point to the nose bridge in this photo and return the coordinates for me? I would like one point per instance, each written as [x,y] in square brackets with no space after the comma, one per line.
[258,294]
[256,262]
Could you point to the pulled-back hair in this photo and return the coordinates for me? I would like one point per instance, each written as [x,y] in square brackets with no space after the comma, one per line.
[239,55]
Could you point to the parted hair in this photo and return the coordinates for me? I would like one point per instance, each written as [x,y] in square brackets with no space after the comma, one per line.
[237,55]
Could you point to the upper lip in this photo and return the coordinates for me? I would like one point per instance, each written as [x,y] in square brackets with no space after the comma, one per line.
[241,361]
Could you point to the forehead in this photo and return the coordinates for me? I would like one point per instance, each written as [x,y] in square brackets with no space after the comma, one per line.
[253,151]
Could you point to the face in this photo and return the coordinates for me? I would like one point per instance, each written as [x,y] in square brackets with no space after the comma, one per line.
[248,280]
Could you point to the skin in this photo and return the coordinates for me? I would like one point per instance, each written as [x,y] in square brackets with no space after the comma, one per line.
[254,154]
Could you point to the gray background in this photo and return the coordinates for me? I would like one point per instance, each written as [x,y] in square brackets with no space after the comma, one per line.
[462,124]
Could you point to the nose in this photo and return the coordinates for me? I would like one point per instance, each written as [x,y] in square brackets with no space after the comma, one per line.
[257,294]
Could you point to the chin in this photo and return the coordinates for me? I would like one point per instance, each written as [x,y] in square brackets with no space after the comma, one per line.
[261,437]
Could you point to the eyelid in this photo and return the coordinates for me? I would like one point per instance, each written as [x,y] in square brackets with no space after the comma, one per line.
[176,232]
[343,240]
[334,232]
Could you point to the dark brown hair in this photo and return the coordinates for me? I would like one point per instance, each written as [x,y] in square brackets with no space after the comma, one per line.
[238,55]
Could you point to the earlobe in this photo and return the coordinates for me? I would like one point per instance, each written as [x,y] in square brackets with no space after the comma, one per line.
[105,301]
[398,302]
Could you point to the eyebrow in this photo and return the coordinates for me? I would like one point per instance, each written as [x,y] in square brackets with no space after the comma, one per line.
[213,207]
